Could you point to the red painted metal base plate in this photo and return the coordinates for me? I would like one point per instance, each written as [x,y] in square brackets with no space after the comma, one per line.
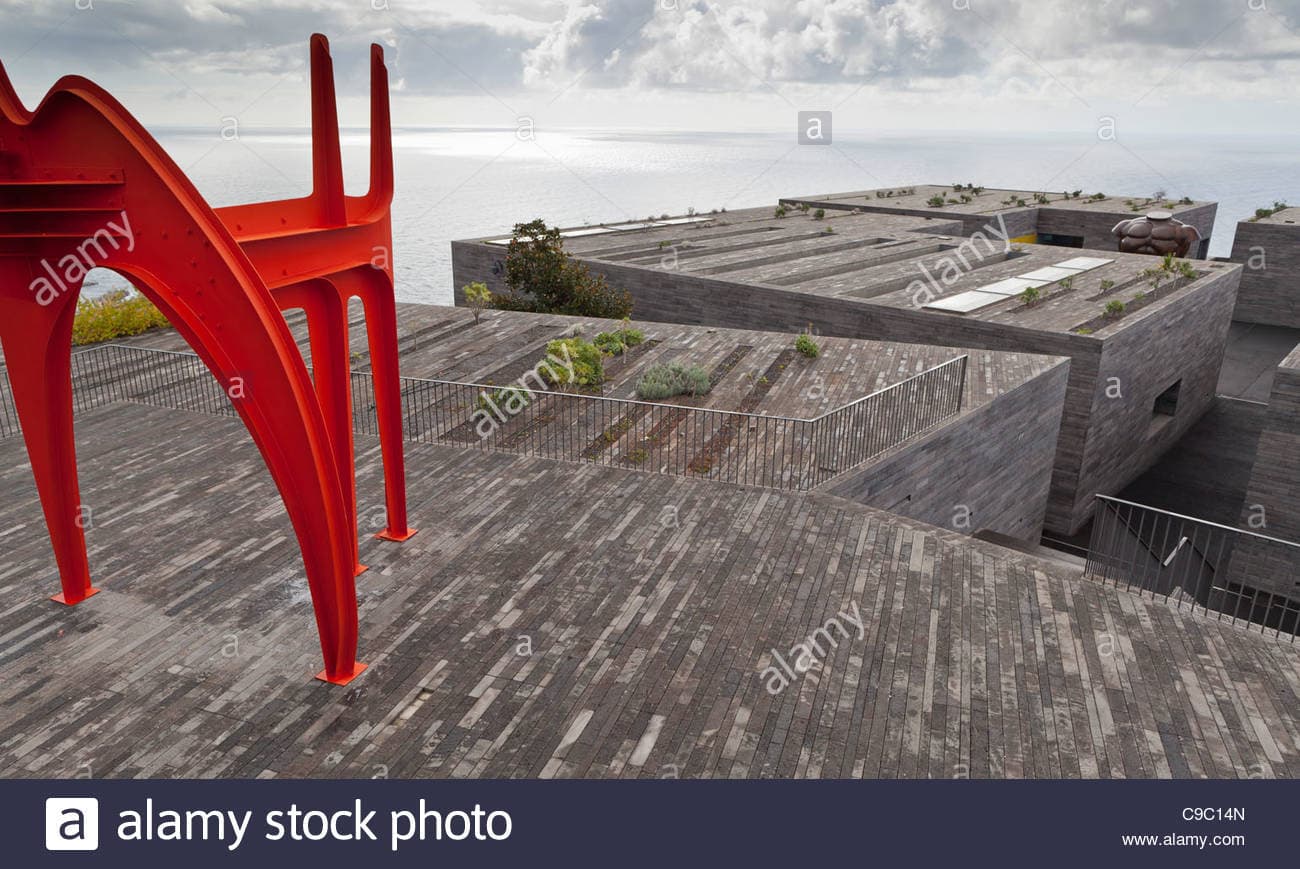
[59,598]
[343,680]
[396,538]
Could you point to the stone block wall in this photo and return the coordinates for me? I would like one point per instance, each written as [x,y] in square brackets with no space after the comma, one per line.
[1274,492]
[1270,284]
[990,469]
[1095,226]
[1182,342]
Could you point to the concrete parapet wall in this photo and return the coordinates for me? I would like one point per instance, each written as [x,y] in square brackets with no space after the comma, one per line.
[959,477]
[1270,284]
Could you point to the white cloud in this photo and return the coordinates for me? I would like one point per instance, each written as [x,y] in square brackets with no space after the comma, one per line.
[514,51]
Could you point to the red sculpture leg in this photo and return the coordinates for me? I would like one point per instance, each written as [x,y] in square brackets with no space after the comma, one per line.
[376,293]
[36,339]
[327,329]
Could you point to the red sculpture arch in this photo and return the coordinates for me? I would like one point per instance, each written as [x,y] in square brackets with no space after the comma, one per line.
[81,178]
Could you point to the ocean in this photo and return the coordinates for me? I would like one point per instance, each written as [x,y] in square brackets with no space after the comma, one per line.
[461,183]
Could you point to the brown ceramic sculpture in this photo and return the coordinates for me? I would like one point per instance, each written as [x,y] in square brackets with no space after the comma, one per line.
[1157,233]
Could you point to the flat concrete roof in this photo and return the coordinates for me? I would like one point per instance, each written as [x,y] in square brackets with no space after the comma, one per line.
[992,200]
[556,619]
[898,261]
[1285,217]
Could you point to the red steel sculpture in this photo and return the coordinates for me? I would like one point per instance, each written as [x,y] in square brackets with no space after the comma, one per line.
[83,184]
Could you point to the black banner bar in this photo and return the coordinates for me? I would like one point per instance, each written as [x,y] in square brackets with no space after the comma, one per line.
[657,823]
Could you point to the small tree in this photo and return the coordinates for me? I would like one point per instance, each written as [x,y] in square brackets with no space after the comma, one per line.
[544,279]
[478,298]
[1031,296]
[1158,274]
[1114,308]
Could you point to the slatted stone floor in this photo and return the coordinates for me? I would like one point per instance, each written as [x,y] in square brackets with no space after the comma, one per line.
[553,619]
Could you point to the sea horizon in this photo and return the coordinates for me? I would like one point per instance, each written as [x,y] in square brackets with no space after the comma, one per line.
[465,182]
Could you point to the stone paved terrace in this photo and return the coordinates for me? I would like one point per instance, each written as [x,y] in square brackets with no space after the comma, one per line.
[648,634]
[442,342]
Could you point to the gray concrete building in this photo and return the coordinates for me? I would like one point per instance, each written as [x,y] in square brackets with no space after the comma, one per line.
[1083,219]
[1139,376]
[1269,250]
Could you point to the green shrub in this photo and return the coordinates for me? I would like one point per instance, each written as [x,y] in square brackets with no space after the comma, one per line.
[582,358]
[618,343]
[114,315]
[807,346]
[1031,296]
[666,380]
[819,214]
[780,211]
[544,279]
[1066,284]
[1107,284]
[1114,308]
[936,202]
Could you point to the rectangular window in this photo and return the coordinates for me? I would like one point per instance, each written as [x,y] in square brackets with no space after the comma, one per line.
[1058,240]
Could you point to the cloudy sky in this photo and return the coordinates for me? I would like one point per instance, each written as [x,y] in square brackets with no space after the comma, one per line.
[1196,65]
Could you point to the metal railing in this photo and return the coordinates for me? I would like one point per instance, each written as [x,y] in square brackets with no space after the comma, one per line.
[1228,572]
[754,449]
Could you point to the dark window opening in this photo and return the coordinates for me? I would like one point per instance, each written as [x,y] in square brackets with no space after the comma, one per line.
[1167,401]
[1053,238]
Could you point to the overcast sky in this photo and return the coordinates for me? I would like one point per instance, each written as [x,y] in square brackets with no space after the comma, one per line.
[1018,65]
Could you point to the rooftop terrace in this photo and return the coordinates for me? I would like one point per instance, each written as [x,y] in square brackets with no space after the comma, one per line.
[902,262]
[1282,217]
[786,399]
[990,201]
[562,620]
